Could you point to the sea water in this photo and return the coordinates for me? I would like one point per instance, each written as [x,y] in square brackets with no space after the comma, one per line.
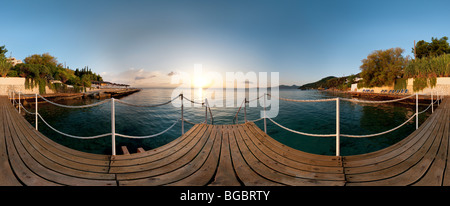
[309,117]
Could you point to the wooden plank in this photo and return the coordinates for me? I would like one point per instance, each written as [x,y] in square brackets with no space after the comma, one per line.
[140,150]
[195,161]
[125,150]
[25,175]
[87,165]
[117,165]
[409,169]
[446,181]
[7,177]
[279,155]
[44,172]
[225,175]
[206,173]
[167,165]
[247,175]
[391,151]
[176,155]
[435,174]
[59,165]
[62,151]
[117,159]
[297,155]
[385,161]
[271,174]
[280,164]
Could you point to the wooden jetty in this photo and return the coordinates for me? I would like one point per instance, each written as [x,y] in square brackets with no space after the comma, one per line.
[231,155]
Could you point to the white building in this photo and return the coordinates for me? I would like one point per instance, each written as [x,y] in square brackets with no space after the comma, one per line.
[14,61]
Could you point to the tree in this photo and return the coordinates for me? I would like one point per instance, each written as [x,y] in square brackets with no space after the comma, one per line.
[3,51]
[436,47]
[43,59]
[5,66]
[382,67]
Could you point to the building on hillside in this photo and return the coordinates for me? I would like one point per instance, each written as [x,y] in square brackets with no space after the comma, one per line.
[107,85]
[14,61]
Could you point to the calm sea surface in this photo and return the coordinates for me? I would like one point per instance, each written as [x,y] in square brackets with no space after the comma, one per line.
[316,118]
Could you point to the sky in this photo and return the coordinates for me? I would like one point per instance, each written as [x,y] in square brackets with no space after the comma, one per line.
[143,43]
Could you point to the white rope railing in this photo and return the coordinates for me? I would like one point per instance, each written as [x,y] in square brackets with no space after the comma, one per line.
[302,133]
[149,136]
[307,100]
[113,133]
[337,135]
[32,113]
[73,136]
[377,102]
[192,101]
[381,133]
[147,105]
[75,107]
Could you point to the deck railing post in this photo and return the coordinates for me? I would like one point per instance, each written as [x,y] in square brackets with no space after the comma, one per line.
[417,111]
[265,122]
[432,104]
[245,110]
[438,96]
[14,98]
[338,131]
[113,127]
[36,111]
[182,115]
[206,111]
[19,103]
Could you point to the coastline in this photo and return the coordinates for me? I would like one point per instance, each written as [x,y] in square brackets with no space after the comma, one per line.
[93,94]
[423,99]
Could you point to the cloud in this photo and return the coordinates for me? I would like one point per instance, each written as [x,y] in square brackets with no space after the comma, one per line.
[139,78]
[171,73]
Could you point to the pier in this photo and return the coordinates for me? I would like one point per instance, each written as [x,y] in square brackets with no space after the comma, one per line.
[225,155]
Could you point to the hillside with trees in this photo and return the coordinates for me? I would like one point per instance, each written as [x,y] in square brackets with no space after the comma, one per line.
[41,70]
[5,66]
[389,67]
[331,82]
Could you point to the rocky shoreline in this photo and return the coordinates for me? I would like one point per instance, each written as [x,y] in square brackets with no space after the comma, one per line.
[95,94]
[423,99]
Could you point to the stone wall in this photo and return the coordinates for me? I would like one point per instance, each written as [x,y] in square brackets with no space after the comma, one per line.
[18,84]
[442,87]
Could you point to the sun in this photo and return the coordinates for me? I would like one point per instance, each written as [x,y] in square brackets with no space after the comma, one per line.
[200,82]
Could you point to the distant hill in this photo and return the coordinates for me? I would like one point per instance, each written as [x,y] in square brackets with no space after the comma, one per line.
[319,84]
[288,87]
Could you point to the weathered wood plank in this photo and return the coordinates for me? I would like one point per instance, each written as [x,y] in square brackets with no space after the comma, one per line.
[125,150]
[247,175]
[195,159]
[206,173]
[385,161]
[33,145]
[271,174]
[435,174]
[409,170]
[280,156]
[225,175]
[42,170]
[174,156]
[297,155]
[157,154]
[7,177]
[188,154]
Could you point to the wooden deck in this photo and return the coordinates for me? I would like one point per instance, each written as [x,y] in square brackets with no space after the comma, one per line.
[230,155]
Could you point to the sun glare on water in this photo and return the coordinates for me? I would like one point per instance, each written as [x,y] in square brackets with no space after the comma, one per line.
[200,82]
